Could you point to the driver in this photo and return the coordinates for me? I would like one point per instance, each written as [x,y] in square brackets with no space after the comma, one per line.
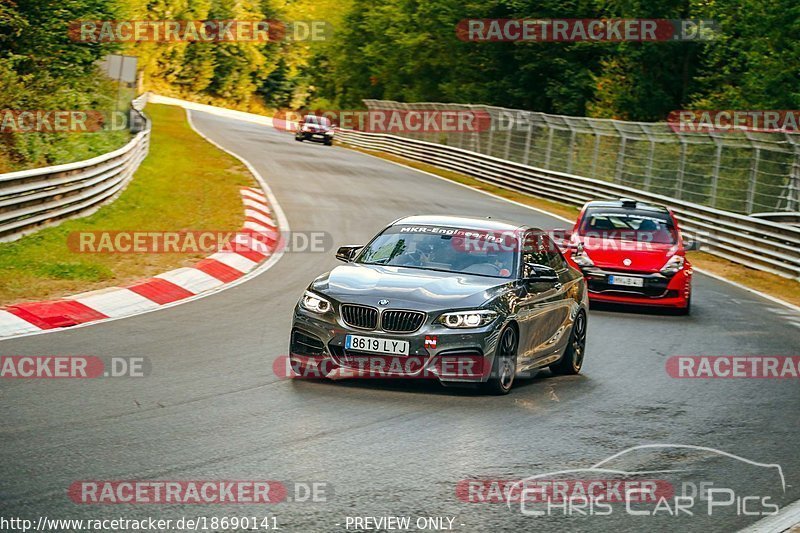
[419,256]
[501,261]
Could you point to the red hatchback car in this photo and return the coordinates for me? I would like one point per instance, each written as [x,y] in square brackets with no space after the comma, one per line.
[631,253]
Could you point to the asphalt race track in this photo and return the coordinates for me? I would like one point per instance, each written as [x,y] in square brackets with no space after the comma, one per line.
[214,409]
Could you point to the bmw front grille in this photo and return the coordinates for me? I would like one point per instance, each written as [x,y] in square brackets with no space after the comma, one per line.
[360,316]
[401,321]
[391,320]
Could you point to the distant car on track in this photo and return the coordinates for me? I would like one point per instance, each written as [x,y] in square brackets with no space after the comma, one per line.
[440,288]
[314,128]
[631,253]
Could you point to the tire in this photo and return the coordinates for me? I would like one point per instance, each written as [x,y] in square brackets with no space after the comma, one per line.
[504,367]
[684,311]
[572,360]
[328,143]
[298,139]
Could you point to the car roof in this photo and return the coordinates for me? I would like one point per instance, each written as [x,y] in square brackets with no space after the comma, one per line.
[623,203]
[464,222]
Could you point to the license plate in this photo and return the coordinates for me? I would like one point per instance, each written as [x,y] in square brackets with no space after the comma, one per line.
[376,345]
[626,281]
[318,136]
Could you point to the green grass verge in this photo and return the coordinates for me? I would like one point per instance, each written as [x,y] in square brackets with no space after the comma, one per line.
[782,288]
[184,184]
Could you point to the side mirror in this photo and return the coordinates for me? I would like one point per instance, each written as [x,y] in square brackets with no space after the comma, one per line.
[536,273]
[690,242]
[347,253]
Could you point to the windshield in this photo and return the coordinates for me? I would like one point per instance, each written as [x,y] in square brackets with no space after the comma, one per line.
[629,225]
[445,249]
[319,121]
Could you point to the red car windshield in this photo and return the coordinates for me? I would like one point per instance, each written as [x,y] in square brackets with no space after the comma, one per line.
[629,225]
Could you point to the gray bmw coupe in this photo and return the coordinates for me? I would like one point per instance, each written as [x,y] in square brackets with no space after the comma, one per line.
[459,299]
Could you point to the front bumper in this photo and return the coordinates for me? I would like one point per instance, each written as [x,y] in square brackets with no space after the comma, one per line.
[314,136]
[317,350]
[656,290]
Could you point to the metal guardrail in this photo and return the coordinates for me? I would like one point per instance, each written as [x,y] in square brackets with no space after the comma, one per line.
[743,172]
[750,241]
[793,219]
[33,199]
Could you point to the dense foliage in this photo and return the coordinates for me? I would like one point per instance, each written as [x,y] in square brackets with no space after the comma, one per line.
[223,71]
[40,68]
[403,50]
[408,50]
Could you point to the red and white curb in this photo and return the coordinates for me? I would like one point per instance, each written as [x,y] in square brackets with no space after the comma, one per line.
[255,243]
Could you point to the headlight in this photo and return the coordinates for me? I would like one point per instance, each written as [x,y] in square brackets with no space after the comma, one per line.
[329,132]
[467,319]
[315,304]
[582,259]
[673,266]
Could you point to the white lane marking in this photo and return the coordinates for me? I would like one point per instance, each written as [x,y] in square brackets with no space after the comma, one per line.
[786,518]
[782,312]
[264,219]
[191,279]
[11,324]
[253,196]
[773,299]
[572,222]
[275,207]
[248,202]
[786,314]
[115,302]
[234,260]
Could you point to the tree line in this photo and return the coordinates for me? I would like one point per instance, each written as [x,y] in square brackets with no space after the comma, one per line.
[408,50]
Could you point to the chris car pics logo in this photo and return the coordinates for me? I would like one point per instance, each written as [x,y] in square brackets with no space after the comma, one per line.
[669,479]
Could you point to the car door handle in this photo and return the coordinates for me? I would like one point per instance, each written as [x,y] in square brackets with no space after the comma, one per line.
[557,286]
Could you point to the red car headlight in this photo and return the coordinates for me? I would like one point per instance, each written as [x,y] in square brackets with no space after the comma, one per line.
[673,265]
[581,258]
